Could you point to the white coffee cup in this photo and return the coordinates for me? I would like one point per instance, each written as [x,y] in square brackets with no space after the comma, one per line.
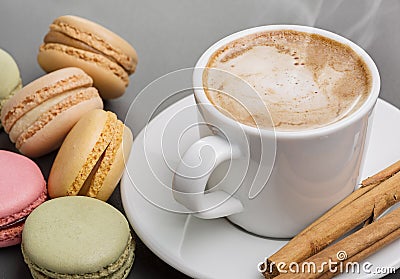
[274,183]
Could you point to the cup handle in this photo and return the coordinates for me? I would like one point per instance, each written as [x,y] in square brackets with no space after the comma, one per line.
[193,172]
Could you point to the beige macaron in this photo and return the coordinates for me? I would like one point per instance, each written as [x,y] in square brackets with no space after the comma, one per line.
[106,57]
[39,117]
[92,158]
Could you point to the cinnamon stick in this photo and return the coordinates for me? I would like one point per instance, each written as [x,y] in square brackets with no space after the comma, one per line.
[378,193]
[355,247]
[366,252]
[382,175]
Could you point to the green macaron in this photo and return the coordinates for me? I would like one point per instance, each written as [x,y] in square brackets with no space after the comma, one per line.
[77,237]
[10,80]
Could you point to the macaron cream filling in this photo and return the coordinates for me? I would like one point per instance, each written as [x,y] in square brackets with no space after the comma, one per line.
[13,223]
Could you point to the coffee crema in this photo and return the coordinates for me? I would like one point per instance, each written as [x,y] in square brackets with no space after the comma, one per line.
[300,80]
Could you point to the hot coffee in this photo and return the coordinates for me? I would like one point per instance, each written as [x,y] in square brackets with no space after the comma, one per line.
[299,80]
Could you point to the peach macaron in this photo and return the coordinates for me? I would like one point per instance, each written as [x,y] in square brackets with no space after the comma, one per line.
[78,42]
[39,117]
[92,158]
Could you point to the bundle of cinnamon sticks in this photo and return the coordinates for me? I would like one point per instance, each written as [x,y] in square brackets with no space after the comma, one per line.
[376,194]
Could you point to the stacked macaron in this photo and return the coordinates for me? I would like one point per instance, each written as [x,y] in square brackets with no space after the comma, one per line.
[84,236]
[22,189]
[78,42]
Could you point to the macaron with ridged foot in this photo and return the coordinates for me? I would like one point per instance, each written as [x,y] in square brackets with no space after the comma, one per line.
[77,237]
[22,189]
[92,158]
[78,42]
[39,117]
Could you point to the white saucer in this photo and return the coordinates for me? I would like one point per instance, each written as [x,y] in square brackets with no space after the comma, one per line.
[216,248]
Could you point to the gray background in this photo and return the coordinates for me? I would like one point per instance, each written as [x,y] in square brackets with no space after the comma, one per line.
[171,35]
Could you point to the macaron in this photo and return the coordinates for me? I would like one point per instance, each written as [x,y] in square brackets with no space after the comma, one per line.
[77,237]
[39,117]
[92,158]
[78,42]
[10,80]
[22,189]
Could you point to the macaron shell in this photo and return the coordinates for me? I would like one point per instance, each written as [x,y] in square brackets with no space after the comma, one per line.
[21,183]
[118,166]
[11,236]
[118,270]
[51,136]
[41,90]
[74,154]
[5,100]
[75,235]
[99,38]
[9,74]
[110,85]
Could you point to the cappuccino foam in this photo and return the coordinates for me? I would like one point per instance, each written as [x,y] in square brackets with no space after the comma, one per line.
[288,79]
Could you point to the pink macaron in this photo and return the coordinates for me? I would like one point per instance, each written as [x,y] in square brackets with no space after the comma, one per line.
[22,189]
